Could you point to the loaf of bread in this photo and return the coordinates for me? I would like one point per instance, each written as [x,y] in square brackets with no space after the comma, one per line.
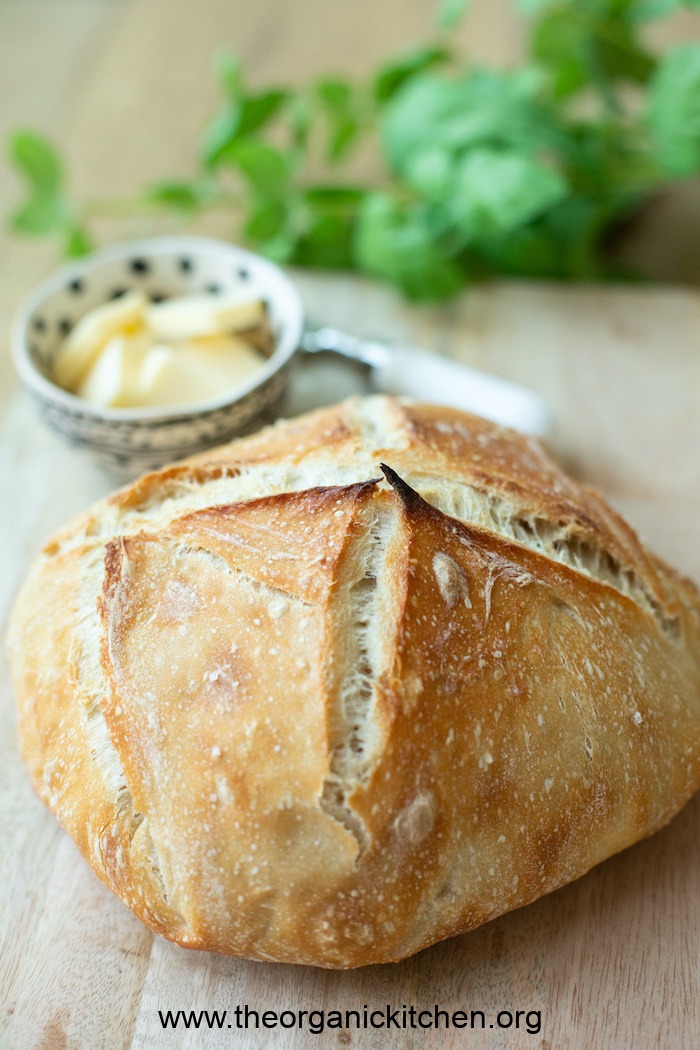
[357,683]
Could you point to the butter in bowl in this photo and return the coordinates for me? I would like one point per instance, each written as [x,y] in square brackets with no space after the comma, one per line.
[149,351]
[131,353]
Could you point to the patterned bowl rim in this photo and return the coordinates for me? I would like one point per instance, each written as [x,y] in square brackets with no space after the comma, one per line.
[281,288]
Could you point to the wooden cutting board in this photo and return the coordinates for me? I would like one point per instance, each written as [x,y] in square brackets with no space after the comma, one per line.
[610,961]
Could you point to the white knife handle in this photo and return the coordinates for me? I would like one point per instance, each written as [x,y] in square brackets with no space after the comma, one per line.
[411,372]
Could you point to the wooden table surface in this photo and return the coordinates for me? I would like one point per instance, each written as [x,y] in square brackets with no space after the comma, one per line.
[611,961]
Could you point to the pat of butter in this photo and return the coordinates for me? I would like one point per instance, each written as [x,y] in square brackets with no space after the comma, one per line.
[83,346]
[195,370]
[129,353]
[198,315]
[113,380]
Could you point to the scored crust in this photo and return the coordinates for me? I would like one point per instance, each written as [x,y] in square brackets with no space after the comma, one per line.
[354,684]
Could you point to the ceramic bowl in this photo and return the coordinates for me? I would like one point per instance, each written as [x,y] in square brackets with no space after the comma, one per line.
[127,441]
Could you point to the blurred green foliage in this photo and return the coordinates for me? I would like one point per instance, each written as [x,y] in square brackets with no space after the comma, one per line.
[522,172]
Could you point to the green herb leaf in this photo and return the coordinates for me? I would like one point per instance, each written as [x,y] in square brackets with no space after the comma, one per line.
[267,169]
[77,242]
[342,109]
[673,112]
[620,55]
[327,243]
[38,161]
[430,171]
[267,221]
[531,251]
[496,192]
[481,108]
[344,135]
[399,245]
[40,215]
[219,134]
[561,42]
[45,210]
[239,118]
[331,214]
[257,110]
[336,95]
[589,51]
[243,112]
[396,74]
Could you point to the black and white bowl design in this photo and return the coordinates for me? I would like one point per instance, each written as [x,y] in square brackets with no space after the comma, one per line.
[129,441]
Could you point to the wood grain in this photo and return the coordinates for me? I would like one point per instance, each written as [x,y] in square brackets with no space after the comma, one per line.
[612,960]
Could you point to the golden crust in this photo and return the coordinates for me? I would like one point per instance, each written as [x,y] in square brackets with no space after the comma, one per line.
[290,711]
